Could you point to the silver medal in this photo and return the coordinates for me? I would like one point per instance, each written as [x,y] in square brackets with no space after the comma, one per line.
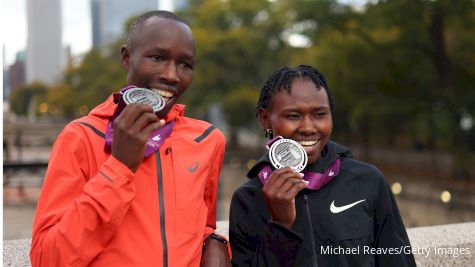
[288,153]
[144,96]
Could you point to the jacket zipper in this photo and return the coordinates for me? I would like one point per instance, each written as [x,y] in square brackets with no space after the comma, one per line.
[161,204]
[312,237]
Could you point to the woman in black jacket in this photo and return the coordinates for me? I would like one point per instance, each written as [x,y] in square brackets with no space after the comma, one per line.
[337,212]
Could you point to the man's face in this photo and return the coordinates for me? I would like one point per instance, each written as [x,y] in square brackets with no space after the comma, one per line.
[303,115]
[160,57]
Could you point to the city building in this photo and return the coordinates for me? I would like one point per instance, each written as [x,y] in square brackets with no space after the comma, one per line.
[45,59]
[109,18]
[5,76]
[16,72]
[173,5]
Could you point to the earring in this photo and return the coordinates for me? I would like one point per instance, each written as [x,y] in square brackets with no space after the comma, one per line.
[267,132]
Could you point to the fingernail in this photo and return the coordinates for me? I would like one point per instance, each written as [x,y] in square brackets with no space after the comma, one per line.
[301,174]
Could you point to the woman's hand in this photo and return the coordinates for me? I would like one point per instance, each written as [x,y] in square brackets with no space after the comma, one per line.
[279,193]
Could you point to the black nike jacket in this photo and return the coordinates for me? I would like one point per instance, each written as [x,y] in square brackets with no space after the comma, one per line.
[352,221]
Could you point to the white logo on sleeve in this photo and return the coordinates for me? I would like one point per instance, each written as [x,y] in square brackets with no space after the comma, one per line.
[156,138]
[335,209]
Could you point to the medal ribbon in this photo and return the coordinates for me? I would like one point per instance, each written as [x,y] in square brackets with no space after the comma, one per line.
[155,139]
[314,180]
[270,142]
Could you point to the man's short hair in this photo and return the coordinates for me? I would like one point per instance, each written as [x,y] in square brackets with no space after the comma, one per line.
[142,19]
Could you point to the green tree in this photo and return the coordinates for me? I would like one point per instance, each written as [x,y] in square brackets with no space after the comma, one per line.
[239,44]
[97,76]
[398,68]
[23,97]
[84,86]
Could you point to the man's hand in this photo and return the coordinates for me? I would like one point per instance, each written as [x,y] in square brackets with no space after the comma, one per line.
[215,254]
[279,193]
[131,130]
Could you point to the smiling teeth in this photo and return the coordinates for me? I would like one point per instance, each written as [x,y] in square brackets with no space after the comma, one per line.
[162,93]
[307,143]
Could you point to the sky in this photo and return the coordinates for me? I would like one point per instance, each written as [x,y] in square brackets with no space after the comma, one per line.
[76,26]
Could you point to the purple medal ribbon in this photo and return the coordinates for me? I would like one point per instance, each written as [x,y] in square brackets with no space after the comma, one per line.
[155,139]
[315,180]
[318,180]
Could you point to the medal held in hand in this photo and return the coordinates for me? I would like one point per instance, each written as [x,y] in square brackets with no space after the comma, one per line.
[144,96]
[287,153]
[132,94]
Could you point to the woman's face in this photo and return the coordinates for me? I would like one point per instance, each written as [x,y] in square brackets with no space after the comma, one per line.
[302,115]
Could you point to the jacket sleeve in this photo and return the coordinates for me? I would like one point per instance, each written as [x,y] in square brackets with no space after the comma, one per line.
[211,190]
[77,215]
[277,246]
[390,231]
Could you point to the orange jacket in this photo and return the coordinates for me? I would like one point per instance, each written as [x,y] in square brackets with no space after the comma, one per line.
[93,211]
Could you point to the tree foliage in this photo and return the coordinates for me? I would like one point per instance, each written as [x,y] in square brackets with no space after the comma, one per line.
[23,97]
[402,71]
[238,44]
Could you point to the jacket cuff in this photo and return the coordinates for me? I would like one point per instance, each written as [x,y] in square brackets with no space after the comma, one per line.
[284,243]
[113,170]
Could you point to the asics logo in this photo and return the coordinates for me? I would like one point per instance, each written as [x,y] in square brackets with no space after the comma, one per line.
[335,209]
[193,167]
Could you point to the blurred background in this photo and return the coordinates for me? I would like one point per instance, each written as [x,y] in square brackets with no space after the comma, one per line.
[402,73]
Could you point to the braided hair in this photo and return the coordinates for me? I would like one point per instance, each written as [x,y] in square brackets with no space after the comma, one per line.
[281,79]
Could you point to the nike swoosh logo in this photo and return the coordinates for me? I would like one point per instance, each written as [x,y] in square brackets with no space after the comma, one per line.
[335,209]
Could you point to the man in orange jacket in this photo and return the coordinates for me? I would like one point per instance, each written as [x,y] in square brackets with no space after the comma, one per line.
[103,202]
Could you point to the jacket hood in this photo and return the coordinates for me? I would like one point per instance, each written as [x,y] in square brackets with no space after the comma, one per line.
[107,108]
[330,153]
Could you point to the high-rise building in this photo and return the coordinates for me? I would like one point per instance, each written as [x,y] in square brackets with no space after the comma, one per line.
[44,56]
[5,75]
[16,72]
[109,18]
[180,4]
